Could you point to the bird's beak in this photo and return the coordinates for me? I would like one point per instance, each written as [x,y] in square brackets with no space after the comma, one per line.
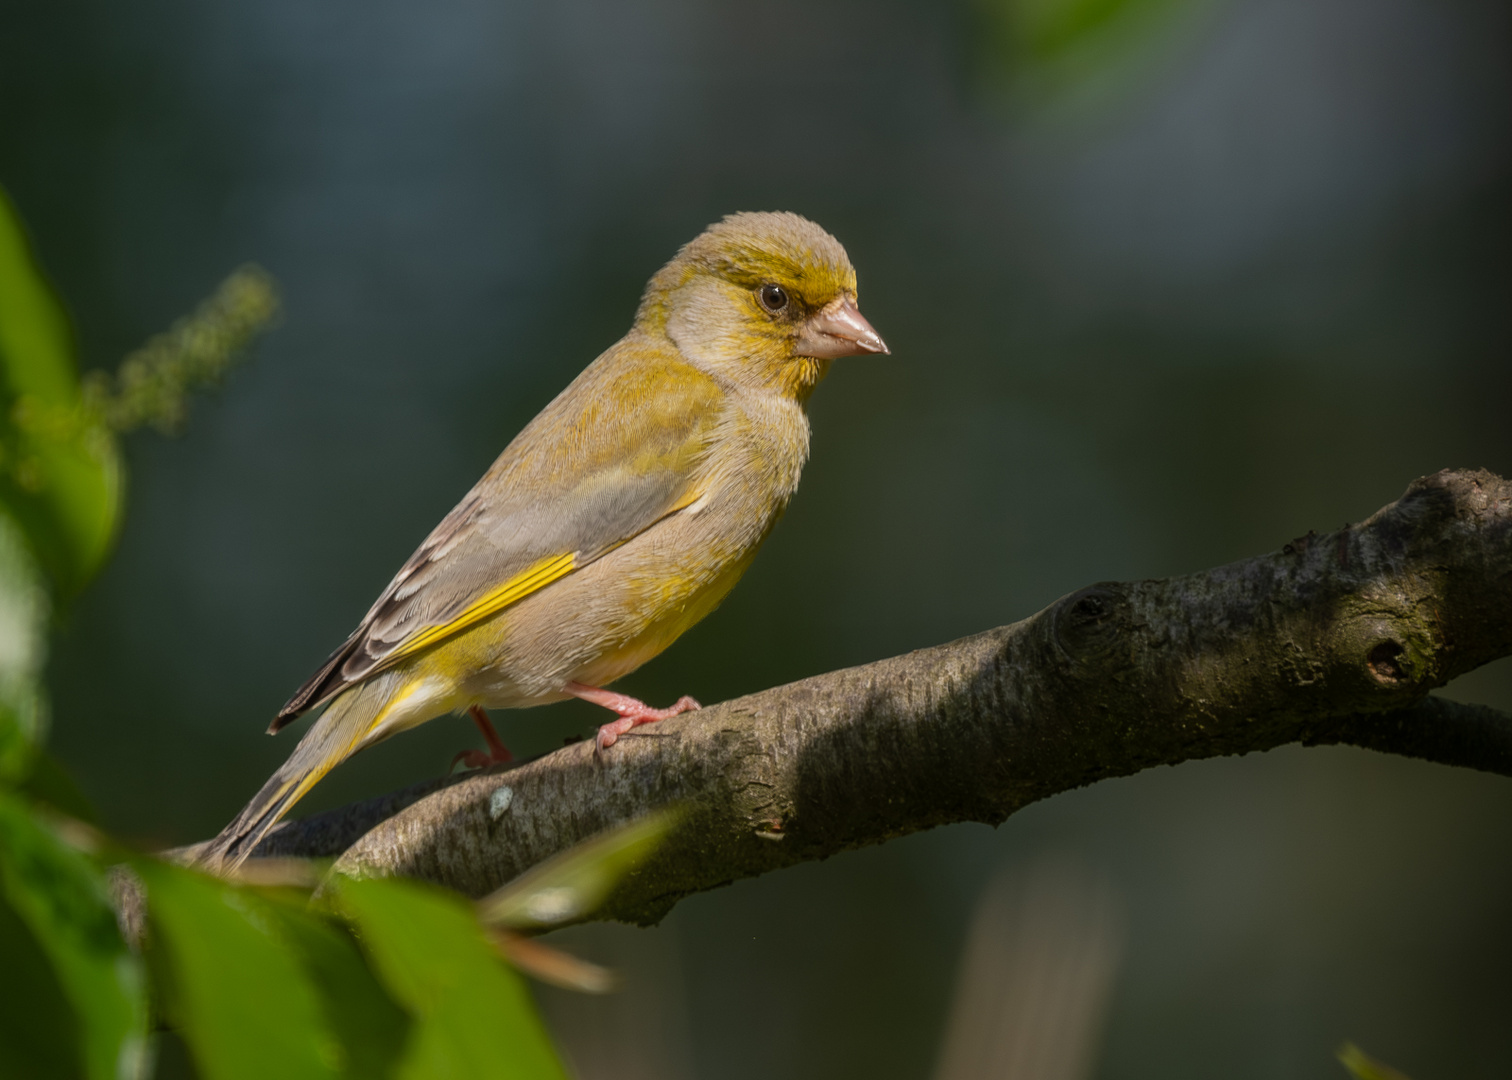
[838,329]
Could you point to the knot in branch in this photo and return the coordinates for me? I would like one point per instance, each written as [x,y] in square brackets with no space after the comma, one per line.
[1090,627]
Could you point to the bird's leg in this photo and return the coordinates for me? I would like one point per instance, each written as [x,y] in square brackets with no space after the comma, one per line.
[498,753]
[632,713]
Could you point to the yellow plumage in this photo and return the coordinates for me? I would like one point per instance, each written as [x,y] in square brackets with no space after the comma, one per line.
[620,516]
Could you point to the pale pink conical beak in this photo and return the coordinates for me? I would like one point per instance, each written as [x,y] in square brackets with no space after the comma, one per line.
[838,329]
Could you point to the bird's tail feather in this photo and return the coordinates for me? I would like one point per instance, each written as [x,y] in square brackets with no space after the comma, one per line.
[338,733]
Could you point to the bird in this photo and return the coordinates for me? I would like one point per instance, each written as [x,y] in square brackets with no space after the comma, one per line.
[620,516]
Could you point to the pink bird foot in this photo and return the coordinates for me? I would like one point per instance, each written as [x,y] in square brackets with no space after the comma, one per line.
[498,753]
[632,713]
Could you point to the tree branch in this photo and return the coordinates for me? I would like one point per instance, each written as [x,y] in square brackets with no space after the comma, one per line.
[1333,639]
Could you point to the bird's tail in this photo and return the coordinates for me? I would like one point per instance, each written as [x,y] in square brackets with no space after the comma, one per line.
[339,732]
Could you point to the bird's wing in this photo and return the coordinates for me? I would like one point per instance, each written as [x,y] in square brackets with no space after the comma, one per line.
[614,454]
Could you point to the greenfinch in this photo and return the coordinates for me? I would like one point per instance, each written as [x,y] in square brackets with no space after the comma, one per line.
[620,516]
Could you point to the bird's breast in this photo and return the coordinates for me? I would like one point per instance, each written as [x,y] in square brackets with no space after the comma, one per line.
[678,572]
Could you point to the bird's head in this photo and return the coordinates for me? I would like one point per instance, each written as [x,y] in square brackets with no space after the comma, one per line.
[765,300]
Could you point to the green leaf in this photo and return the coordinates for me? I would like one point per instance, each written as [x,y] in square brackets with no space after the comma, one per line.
[1035,47]
[59,897]
[39,1029]
[372,1028]
[476,1021]
[243,1002]
[1049,29]
[34,332]
[571,885]
[23,648]
[46,782]
[60,472]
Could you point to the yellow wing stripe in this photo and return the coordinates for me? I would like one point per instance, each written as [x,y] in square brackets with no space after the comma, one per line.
[533,578]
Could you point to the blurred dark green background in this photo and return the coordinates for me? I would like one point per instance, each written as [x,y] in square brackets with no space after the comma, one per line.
[1166,284]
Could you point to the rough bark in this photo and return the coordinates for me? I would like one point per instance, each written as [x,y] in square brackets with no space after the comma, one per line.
[1335,638]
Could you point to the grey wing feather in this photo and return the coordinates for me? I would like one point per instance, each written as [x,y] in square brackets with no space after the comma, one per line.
[492,535]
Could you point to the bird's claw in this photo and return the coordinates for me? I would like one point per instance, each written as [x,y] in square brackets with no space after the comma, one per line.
[609,733]
[497,753]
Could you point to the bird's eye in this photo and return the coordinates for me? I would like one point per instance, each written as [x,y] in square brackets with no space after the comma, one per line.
[773,297]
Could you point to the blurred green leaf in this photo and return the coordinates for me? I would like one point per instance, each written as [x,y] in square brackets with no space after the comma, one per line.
[46,782]
[60,898]
[571,885]
[552,966]
[370,1025]
[244,1005]
[23,628]
[39,1029]
[1040,45]
[60,472]
[475,1019]
[1048,29]
[1364,1067]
